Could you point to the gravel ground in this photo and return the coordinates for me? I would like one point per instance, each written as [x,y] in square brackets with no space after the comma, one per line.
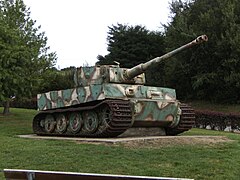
[143,142]
[177,140]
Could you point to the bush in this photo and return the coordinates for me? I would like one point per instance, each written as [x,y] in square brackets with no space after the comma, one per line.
[24,103]
[217,120]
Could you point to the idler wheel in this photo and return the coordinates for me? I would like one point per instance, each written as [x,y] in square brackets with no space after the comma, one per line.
[75,122]
[61,126]
[49,123]
[90,121]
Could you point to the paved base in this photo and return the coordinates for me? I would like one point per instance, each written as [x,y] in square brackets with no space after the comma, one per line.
[100,140]
[125,139]
[143,131]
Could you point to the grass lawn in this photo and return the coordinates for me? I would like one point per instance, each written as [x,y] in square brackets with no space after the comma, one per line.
[219,161]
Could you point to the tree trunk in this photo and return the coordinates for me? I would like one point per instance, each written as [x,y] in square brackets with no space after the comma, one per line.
[6,109]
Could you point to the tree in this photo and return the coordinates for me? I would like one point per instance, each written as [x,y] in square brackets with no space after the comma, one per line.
[54,79]
[211,71]
[132,45]
[24,52]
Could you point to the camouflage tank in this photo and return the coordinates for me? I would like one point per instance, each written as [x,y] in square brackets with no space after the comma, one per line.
[107,100]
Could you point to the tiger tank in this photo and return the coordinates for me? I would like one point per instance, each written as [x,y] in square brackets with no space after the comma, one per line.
[107,100]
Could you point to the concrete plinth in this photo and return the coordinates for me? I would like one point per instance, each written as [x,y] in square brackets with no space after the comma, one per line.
[143,131]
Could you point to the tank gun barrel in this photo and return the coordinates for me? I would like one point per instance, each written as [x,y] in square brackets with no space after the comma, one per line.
[139,69]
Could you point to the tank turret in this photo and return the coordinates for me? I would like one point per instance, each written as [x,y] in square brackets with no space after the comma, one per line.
[107,100]
[114,74]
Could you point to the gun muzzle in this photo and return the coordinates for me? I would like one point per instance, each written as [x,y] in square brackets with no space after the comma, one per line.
[201,39]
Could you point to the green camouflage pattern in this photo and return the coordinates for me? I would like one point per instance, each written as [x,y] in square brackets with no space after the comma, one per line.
[149,103]
[85,76]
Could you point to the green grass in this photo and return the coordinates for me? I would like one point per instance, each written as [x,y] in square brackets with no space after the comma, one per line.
[190,161]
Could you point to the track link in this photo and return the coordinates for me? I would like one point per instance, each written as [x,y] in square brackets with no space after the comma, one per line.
[187,121]
[113,118]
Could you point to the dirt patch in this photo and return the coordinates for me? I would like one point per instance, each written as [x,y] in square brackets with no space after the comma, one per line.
[177,140]
[142,142]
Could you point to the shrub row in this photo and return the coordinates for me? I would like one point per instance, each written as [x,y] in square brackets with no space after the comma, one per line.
[217,120]
[24,103]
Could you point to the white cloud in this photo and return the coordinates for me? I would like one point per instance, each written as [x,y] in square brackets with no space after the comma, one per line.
[77,30]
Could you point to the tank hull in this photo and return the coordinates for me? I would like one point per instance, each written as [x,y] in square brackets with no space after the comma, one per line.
[107,110]
[148,104]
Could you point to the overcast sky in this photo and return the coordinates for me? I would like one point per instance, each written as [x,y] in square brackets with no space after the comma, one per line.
[77,29]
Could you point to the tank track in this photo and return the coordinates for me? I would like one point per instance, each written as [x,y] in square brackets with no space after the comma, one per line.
[108,118]
[187,121]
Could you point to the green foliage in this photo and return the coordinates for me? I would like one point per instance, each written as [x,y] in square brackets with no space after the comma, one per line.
[54,79]
[211,71]
[211,161]
[132,45]
[206,105]
[23,51]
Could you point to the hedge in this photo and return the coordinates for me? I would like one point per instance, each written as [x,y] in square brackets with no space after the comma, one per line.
[24,103]
[217,120]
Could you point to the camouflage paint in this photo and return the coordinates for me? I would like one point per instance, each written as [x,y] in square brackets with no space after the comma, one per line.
[85,76]
[149,103]
[167,111]
[68,97]
[124,91]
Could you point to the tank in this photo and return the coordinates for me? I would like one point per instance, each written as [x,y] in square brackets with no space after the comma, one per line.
[107,100]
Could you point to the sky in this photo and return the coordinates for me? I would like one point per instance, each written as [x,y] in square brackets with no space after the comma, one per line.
[77,29]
